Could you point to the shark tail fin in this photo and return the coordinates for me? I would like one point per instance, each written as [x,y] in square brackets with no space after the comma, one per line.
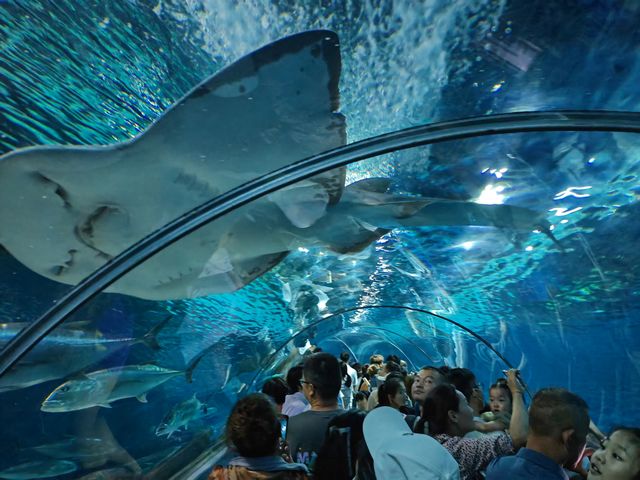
[150,338]
[547,231]
[194,363]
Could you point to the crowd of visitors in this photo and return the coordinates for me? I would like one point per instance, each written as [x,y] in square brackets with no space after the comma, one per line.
[336,420]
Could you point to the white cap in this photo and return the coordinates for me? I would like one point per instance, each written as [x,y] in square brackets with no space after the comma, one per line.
[398,453]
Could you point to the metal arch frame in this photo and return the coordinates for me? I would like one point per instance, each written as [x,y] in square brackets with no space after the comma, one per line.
[387,337]
[104,276]
[322,320]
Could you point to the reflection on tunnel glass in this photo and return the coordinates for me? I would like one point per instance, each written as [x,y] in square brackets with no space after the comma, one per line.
[469,264]
[528,239]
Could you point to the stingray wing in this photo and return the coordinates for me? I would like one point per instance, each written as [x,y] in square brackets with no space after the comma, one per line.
[68,210]
[275,106]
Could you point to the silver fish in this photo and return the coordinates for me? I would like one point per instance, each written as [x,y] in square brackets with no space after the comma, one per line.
[39,469]
[102,387]
[182,414]
[78,448]
[64,352]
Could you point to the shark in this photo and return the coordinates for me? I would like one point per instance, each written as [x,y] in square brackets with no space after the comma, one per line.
[67,210]
[65,351]
[102,387]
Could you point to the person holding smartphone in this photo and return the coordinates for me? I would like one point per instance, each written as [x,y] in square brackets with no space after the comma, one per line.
[254,431]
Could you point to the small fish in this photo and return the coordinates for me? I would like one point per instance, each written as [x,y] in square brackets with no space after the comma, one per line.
[181,415]
[65,351]
[100,388]
[39,469]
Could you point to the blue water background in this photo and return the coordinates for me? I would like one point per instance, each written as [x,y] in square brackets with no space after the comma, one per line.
[102,72]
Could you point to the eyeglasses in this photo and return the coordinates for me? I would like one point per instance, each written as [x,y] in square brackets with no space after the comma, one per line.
[304,381]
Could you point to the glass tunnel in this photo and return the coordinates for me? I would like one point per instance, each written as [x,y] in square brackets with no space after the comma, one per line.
[193,193]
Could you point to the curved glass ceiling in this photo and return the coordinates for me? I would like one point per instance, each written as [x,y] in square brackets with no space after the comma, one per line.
[482,232]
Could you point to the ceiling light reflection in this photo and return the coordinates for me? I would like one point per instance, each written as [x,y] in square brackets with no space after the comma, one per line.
[491,195]
[571,192]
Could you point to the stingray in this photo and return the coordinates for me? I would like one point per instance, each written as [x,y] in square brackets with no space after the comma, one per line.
[67,210]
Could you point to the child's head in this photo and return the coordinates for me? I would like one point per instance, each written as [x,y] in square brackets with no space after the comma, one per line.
[500,398]
[619,456]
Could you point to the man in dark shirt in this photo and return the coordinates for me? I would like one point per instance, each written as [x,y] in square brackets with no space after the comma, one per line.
[558,428]
[321,381]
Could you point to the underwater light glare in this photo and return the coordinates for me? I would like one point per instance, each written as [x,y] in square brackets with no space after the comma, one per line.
[491,195]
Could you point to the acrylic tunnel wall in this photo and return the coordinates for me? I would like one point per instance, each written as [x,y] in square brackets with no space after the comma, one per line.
[524,279]
[503,246]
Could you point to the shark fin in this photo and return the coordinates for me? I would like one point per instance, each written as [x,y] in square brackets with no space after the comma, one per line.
[373,184]
[303,203]
[150,339]
[355,237]
[142,398]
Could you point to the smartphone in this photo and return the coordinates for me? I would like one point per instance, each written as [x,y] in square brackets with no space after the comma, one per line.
[284,422]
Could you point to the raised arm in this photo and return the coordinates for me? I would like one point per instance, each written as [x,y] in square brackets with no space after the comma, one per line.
[519,425]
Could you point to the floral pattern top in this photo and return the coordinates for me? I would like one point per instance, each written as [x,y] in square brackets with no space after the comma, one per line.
[234,472]
[474,454]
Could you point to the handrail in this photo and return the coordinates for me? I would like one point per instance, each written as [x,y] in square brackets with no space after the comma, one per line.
[104,276]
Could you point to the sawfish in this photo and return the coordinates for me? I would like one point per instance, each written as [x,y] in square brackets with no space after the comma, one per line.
[67,210]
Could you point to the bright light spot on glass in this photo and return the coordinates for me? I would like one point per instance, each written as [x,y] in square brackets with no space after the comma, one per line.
[564,221]
[303,250]
[552,227]
[497,87]
[465,245]
[591,160]
[491,195]
[529,248]
[571,192]
[561,212]
[494,171]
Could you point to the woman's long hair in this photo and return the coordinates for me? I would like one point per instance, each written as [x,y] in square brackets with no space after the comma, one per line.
[389,388]
[437,405]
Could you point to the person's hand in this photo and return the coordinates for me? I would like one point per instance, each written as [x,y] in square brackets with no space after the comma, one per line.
[512,381]
[502,417]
